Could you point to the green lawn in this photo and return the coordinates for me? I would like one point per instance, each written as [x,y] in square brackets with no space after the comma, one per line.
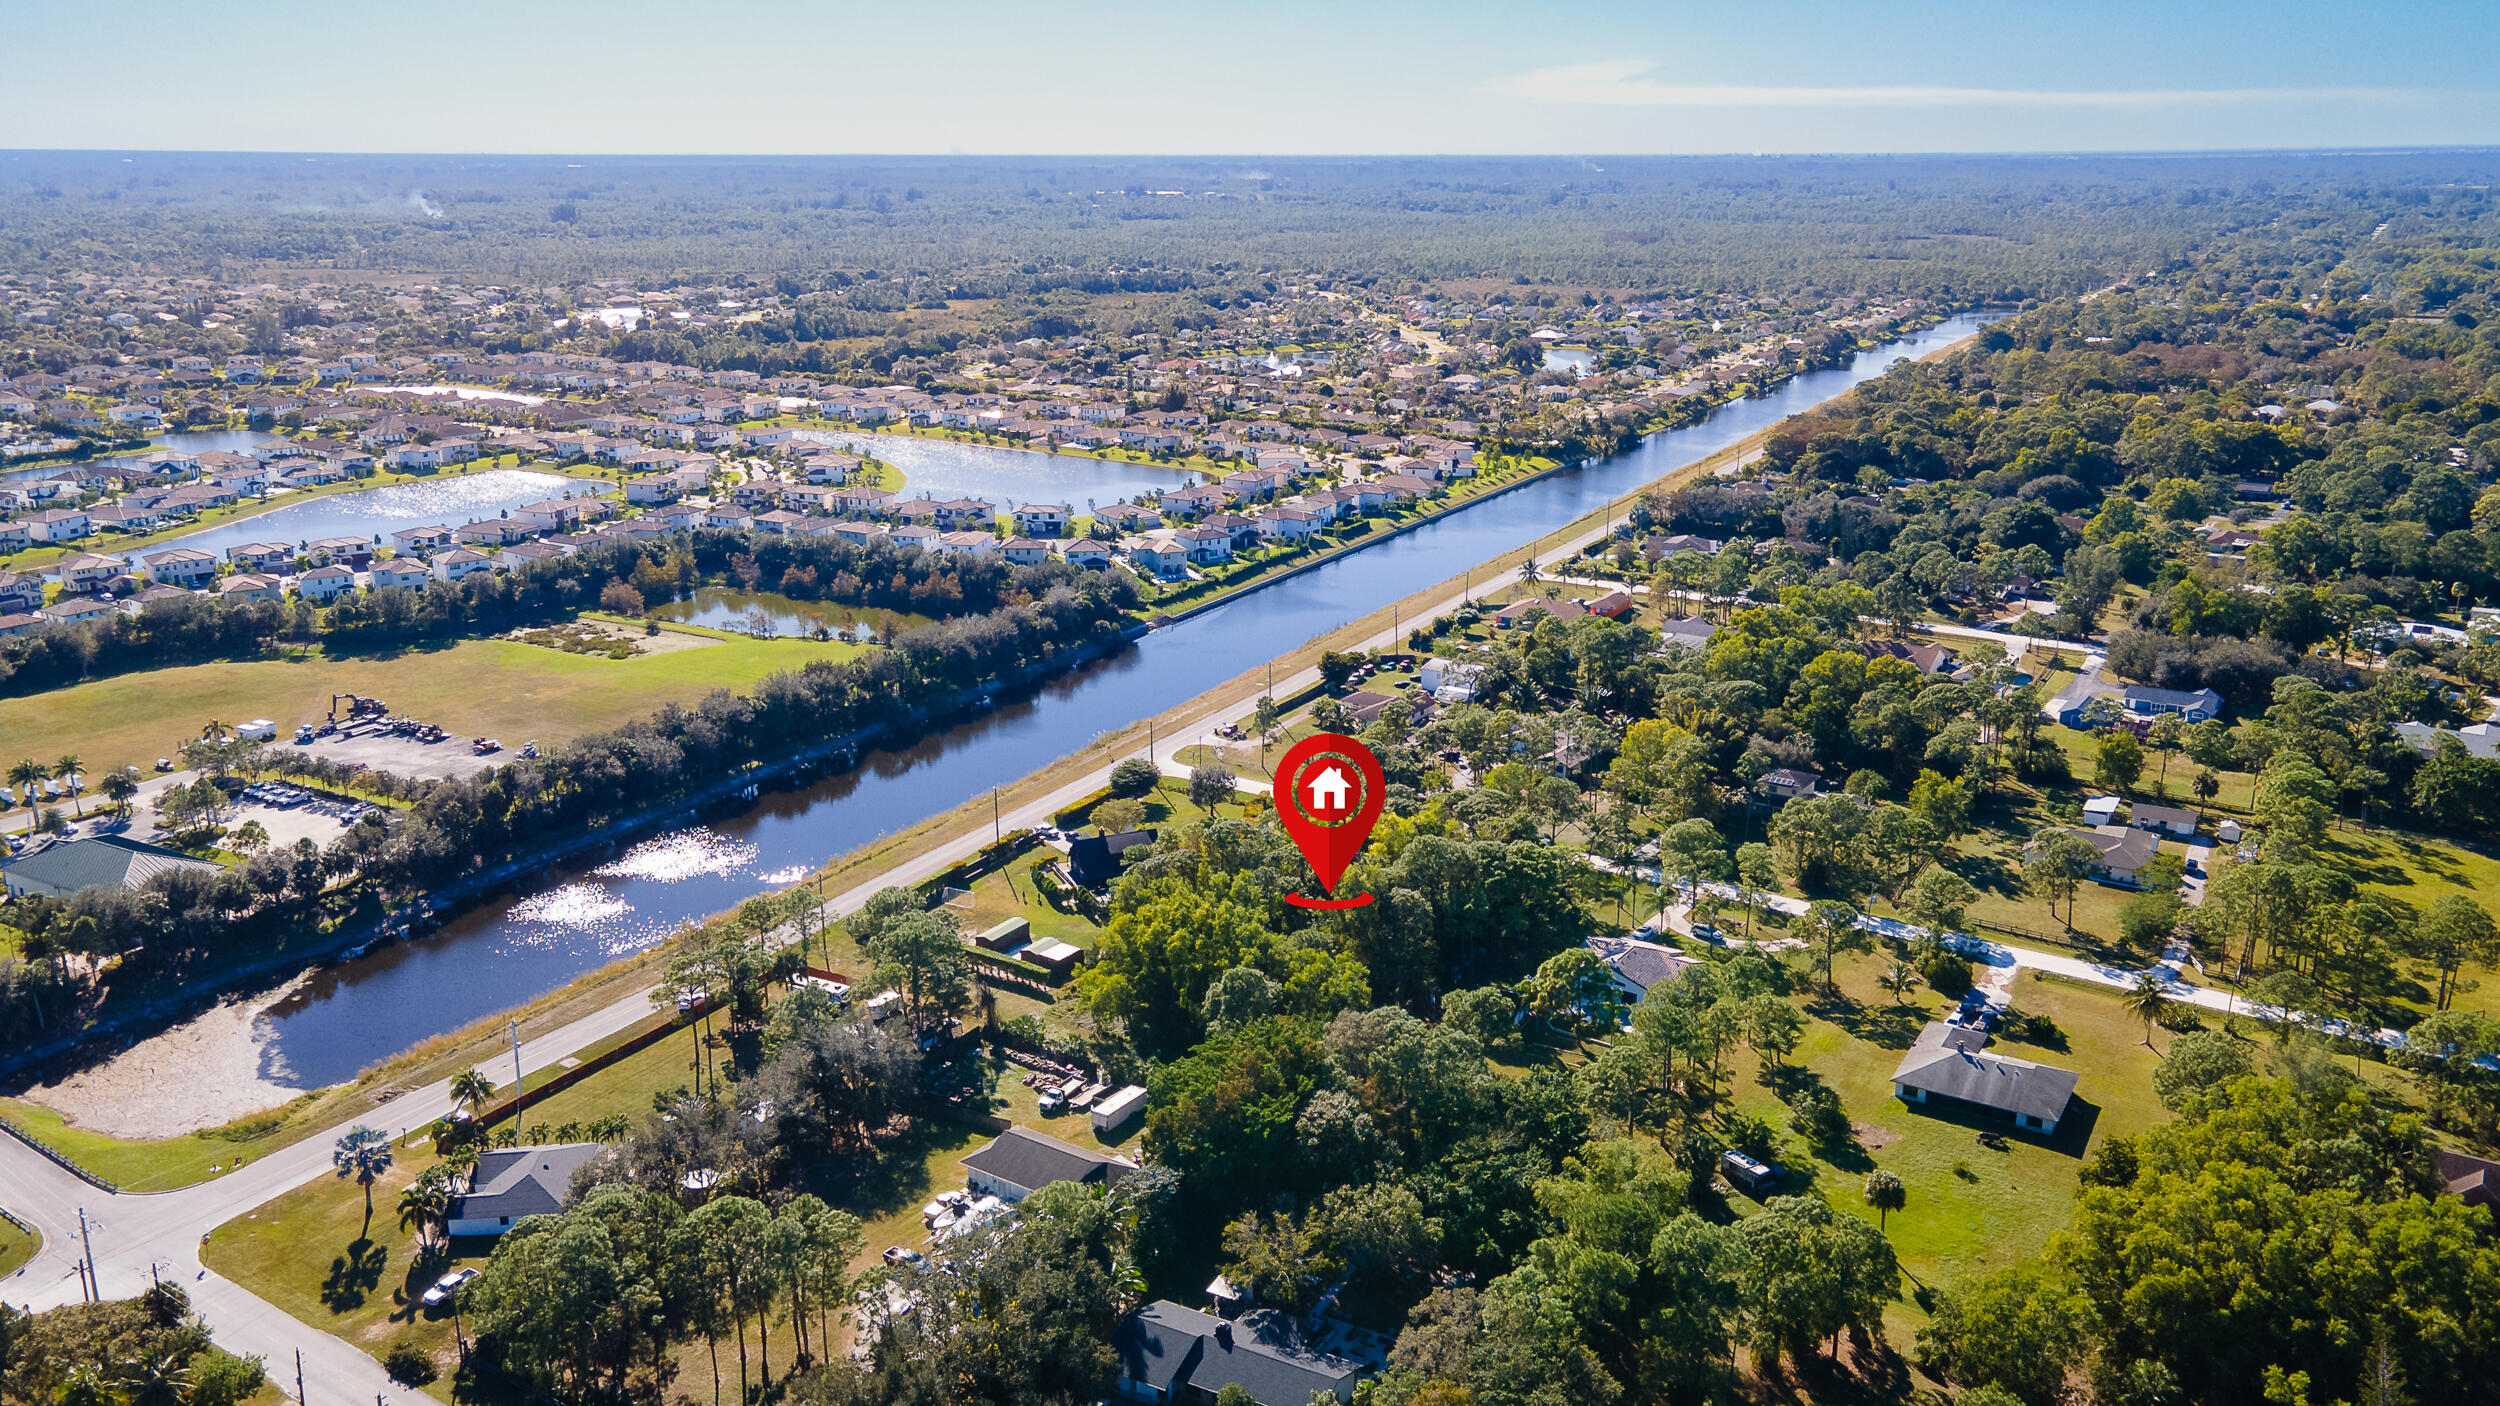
[1971,1208]
[16,1247]
[494,688]
[160,1164]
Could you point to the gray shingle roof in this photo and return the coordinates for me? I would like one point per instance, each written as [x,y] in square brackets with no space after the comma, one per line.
[1034,1160]
[60,870]
[1165,1344]
[1996,1081]
[522,1181]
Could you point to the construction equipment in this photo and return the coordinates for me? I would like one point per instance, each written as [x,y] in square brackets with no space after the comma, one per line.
[357,707]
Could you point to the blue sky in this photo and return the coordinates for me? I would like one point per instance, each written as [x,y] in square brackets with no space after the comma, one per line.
[1285,78]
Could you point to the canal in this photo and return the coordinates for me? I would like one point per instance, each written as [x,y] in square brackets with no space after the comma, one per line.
[605,906]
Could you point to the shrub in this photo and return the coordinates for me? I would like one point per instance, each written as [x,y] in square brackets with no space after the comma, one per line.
[1947,974]
[408,1364]
[1134,777]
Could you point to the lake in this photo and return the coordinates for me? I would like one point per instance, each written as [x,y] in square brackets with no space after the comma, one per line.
[449,501]
[938,468]
[577,916]
[722,608]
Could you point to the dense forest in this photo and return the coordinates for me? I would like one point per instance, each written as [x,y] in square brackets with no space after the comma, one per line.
[1970,229]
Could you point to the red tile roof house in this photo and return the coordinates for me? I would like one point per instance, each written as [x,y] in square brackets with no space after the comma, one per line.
[1163,553]
[86,571]
[1024,551]
[956,514]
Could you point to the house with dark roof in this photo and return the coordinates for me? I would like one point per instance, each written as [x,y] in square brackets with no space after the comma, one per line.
[1020,1161]
[2201,706]
[106,861]
[1950,1066]
[1095,860]
[1171,1353]
[1691,632]
[2473,1180]
[513,1182]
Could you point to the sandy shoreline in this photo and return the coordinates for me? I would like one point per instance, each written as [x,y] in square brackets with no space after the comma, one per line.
[206,1071]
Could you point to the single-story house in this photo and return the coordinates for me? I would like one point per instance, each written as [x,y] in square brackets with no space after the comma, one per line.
[1693,632]
[59,870]
[1949,1065]
[1171,1353]
[2473,1180]
[71,610]
[1787,784]
[2170,818]
[2201,706]
[1518,612]
[1636,966]
[1094,860]
[513,1182]
[2124,849]
[1019,1162]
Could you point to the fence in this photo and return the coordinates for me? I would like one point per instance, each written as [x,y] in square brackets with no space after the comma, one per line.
[63,1162]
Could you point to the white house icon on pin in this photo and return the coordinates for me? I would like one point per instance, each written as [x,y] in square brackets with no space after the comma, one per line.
[1329,790]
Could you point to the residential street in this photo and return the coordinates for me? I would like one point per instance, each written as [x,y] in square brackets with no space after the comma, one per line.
[131,1233]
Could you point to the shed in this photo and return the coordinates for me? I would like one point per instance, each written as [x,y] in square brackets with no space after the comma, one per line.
[1054,956]
[1115,1111]
[1006,936]
[2101,810]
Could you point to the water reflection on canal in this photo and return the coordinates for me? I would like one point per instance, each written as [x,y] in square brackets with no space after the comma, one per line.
[582,914]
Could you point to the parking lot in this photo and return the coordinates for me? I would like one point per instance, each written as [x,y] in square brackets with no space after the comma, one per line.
[404,756]
[290,813]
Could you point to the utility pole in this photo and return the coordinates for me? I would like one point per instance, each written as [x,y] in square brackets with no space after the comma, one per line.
[299,1377]
[997,828]
[86,1245]
[1150,740]
[514,1027]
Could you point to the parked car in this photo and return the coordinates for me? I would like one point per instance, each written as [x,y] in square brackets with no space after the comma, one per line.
[900,1255]
[448,1286]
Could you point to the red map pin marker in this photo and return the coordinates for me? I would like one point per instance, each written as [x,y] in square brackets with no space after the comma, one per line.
[1328,795]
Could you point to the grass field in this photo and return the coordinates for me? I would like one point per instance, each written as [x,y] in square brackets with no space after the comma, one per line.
[160,1164]
[16,1247]
[1972,1208]
[494,688]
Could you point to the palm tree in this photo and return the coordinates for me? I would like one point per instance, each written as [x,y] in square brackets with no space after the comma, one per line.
[423,1202]
[156,1379]
[2146,1000]
[1886,1194]
[363,1153]
[471,1087]
[28,777]
[67,769]
[1900,979]
[1528,575]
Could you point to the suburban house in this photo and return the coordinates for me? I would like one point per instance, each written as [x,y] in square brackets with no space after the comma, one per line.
[60,870]
[401,571]
[2479,739]
[87,571]
[1785,784]
[324,583]
[56,525]
[2201,706]
[1926,658]
[419,540]
[180,566]
[2473,1180]
[1519,612]
[19,593]
[513,1182]
[1019,1162]
[459,562]
[2170,818]
[1086,554]
[1636,966]
[1171,1353]
[71,610]
[1692,632]
[260,556]
[1041,520]
[1949,1066]
[2124,849]
[249,585]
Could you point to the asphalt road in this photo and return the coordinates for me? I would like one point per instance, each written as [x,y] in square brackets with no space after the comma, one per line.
[137,1237]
